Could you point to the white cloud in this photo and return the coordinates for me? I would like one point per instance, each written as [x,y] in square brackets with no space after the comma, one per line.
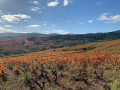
[2,30]
[35,2]
[0,21]
[66,2]
[34,25]
[7,25]
[53,4]
[103,17]
[90,21]
[35,8]
[16,17]
[112,19]
[60,32]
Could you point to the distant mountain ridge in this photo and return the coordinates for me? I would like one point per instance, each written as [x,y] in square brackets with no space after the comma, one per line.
[17,43]
[107,35]
[5,36]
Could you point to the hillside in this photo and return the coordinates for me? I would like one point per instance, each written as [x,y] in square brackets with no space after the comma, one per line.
[32,42]
[89,36]
[89,67]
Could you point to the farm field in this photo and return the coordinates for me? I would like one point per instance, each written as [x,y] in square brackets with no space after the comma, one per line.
[92,66]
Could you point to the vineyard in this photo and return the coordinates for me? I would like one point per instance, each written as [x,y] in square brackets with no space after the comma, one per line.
[93,66]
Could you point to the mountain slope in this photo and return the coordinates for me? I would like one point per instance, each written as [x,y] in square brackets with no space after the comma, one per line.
[32,42]
[92,66]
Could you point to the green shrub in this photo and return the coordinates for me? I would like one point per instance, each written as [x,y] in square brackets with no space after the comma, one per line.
[25,76]
[114,85]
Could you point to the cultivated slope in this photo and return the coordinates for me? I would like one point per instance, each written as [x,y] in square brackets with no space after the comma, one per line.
[89,67]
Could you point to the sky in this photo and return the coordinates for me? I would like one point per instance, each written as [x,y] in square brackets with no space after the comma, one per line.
[59,16]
